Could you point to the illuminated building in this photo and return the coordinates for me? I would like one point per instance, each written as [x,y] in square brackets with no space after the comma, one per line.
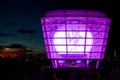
[74,37]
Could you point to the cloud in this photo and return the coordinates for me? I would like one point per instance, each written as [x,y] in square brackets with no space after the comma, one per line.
[16,46]
[26,31]
[6,35]
[12,23]
[2,41]
[22,25]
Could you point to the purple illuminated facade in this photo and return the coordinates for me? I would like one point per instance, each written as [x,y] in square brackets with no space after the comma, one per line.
[72,35]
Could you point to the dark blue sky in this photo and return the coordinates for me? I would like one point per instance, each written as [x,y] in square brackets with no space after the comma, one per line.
[20,19]
[20,24]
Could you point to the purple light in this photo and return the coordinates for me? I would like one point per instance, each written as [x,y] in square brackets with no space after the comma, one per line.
[75,34]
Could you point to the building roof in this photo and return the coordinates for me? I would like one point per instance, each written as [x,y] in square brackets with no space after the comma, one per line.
[75,13]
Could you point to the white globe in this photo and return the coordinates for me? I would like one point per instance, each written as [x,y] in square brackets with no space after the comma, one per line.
[75,45]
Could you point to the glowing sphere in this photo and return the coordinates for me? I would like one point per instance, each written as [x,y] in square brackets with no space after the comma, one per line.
[72,41]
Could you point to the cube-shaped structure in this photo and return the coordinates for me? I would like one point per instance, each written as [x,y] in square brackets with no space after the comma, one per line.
[73,37]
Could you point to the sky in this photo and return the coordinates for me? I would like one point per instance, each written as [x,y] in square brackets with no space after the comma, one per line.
[20,19]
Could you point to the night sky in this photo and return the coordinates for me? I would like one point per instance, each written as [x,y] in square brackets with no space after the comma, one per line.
[20,20]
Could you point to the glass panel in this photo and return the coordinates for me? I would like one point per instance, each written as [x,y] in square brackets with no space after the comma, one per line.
[89,42]
[98,41]
[60,48]
[59,42]
[75,42]
[44,35]
[95,27]
[76,34]
[95,48]
[45,41]
[75,49]
[95,55]
[88,48]
[49,34]
[72,27]
[49,42]
[60,35]
[82,27]
[104,42]
[106,35]
[47,48]
[103,48]
[96,35]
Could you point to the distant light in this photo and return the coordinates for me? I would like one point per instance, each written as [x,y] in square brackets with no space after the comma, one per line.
[90,60]
[78,61]
[61,61]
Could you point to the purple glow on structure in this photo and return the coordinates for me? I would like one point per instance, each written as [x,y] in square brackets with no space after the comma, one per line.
[75,34]
[72,41]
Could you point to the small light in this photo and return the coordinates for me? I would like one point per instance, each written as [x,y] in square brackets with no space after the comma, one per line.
[78,61]
[90,60]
